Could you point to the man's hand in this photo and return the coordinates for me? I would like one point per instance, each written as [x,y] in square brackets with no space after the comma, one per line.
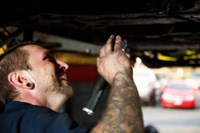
[123,113]
[112,59]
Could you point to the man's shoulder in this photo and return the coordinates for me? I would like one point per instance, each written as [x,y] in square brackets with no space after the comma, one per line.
[37,114]
[37,118]
[28,110]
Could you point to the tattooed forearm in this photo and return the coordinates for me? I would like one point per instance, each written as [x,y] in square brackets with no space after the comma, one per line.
[123,113]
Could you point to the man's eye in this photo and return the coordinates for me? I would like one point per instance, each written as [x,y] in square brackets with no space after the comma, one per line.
[50,58]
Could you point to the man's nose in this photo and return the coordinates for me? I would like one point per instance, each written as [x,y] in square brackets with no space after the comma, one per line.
[62,65]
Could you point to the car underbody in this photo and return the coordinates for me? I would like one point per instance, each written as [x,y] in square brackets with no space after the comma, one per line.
[160,32]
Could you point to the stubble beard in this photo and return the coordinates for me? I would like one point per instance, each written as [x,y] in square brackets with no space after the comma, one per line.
[63,87]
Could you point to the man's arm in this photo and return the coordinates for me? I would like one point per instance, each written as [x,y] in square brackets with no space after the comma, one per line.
[123,113]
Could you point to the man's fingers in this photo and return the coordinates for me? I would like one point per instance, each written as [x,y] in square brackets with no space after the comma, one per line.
[107,48]
[118,42]
[109,44]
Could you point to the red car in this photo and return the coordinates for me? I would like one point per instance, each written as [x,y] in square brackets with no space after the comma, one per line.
[178,94]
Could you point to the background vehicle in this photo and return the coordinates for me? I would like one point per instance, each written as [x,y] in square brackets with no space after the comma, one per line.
[178,94]
[145,80]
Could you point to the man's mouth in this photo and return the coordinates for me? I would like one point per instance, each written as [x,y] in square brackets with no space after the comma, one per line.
[63,78]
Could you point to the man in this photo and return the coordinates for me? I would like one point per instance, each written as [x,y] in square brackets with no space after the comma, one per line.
[34,87]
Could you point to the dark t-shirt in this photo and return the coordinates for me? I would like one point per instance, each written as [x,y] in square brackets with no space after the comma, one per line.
[22,117]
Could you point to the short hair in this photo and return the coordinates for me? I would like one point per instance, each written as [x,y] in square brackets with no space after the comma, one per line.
[17,59]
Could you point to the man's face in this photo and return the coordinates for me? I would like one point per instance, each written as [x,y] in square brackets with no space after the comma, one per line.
[49,74]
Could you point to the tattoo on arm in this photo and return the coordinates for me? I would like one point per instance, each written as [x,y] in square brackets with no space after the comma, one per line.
[123,113]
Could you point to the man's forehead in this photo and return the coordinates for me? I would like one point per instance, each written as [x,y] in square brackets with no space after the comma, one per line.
[9,50]
[34,46]
[35,49]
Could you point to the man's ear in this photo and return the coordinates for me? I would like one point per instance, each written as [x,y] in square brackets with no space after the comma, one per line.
[20,80]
